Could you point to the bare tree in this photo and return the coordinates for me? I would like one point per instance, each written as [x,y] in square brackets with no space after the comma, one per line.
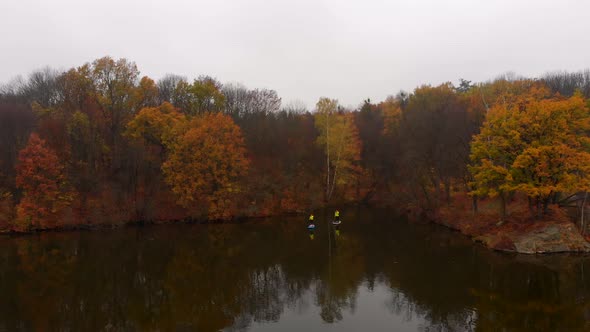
[167,86]
[240,101]
[236,98]
[41,86]
[567,83]
[295,107]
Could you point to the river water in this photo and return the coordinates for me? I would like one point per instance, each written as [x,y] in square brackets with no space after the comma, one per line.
[376,273]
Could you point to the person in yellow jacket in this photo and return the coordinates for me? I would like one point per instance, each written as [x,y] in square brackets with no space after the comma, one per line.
[337,216]
[311,226]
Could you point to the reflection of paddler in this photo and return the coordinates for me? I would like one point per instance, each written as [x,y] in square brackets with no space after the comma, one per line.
[310,228]
[337,232]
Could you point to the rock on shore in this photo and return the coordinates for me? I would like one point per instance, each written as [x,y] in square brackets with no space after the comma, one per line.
[547,238]
[519,232]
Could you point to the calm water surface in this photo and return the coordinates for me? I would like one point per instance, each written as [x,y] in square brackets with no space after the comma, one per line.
[377,273]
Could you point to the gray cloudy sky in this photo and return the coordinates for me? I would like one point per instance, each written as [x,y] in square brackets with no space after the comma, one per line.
[304,49]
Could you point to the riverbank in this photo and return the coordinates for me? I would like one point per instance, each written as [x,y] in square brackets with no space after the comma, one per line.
[519,232]
[163,222]
[156,222]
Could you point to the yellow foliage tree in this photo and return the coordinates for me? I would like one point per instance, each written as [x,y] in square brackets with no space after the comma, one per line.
[340,140]
[157,125]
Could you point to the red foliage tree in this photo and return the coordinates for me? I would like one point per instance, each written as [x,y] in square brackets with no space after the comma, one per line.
[46,194]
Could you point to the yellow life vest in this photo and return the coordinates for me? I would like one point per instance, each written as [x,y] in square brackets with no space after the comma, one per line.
[337,213]
[311,218]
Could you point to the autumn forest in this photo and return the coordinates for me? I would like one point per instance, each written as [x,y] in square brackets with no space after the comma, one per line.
[100,145]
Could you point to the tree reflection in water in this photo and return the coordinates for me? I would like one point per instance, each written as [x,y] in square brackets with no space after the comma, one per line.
[269,274]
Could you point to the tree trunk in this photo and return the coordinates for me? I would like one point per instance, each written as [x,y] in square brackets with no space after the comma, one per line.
[582,221]
[555,198]
[436,184]
[502,206]
[447,186]
[426,195]
[546,205]
[327,156]
[339,147]
[358,189]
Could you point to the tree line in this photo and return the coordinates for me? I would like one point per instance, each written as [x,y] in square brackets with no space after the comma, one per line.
[101,144]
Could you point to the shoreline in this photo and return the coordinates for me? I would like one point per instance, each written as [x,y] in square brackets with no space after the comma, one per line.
[99,227]
[185,221]
[517,233]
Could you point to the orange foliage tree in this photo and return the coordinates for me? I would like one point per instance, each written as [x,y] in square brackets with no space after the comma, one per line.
[46,193]
[535,146]
[146,93]
[205,165]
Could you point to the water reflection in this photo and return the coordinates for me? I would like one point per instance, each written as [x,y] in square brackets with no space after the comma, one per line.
[370,273]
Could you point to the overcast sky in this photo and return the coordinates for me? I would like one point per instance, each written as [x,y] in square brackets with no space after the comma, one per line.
[304,49]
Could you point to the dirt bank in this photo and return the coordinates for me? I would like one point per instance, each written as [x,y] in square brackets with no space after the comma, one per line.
[519,232]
